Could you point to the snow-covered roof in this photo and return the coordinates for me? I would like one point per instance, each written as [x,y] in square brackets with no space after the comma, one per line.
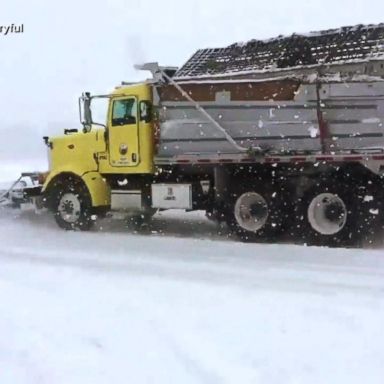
[334,46]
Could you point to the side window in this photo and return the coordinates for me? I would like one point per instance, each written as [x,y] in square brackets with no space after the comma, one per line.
[145,111]
[124,112]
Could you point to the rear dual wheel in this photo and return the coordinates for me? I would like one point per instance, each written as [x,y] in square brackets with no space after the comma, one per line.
[338,211]
[338,214]
[327,214]
[329,219]
[255,214]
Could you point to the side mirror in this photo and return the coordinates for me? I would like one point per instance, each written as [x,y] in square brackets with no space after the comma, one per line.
[85,111]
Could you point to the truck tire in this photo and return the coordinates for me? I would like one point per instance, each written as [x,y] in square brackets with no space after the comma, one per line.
[332,214]
[253,214]
[72,205]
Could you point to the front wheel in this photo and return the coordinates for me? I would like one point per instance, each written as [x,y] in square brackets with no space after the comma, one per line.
[72,206]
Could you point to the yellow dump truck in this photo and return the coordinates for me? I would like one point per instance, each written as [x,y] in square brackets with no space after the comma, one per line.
[276,136]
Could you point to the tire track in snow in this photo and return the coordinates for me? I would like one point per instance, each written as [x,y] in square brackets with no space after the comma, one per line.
[270,277]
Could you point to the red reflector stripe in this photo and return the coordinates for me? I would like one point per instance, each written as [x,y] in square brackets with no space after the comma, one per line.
[324,158]
[378,157]
[353,158]
[226,161]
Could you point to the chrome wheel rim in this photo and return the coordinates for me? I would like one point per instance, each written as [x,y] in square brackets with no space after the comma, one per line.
[69,207]
[327,214]
[251,211]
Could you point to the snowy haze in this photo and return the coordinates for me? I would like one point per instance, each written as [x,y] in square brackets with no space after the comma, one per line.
[183,303]
[72,46]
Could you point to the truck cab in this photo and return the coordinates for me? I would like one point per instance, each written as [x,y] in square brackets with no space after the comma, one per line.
[89,163]
[129,132]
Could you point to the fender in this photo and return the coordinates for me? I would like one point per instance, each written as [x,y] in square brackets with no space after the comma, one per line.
[97,186]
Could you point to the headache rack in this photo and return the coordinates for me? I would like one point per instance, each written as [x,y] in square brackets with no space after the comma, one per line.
[325,48]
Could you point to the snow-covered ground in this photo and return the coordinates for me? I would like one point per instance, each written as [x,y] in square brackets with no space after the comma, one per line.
[183,304]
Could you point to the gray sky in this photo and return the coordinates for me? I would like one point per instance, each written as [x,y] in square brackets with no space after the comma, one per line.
[72,45]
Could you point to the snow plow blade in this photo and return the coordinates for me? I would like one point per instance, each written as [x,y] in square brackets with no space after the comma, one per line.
[26,190]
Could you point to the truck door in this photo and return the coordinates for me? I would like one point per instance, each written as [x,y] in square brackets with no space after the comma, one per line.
[124,132]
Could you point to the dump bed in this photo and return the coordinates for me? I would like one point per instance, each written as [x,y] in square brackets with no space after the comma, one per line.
[278,116]
[321,92]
